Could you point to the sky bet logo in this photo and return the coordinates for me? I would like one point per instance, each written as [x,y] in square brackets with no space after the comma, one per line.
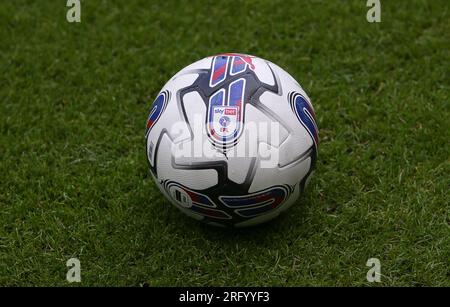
[227,111]
[230,111]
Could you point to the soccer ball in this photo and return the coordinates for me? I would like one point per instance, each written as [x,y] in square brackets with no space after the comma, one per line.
[232,140]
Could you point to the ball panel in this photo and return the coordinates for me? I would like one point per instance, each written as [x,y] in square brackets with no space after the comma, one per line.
[187,176]
[265,126]
[294,148]
[291,174]
[239,168]
[263,71]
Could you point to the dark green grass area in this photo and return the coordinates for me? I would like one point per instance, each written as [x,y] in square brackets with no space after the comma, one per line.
[74,99]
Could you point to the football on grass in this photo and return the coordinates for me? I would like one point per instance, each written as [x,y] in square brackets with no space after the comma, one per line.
[232,140]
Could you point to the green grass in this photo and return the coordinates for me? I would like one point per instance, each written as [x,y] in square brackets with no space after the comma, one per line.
[74,182]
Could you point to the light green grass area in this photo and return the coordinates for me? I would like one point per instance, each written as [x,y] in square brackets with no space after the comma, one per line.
[74,181]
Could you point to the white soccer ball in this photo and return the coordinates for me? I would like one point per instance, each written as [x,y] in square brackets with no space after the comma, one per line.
[232,140]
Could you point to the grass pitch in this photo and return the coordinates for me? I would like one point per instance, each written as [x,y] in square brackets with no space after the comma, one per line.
[74,99]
